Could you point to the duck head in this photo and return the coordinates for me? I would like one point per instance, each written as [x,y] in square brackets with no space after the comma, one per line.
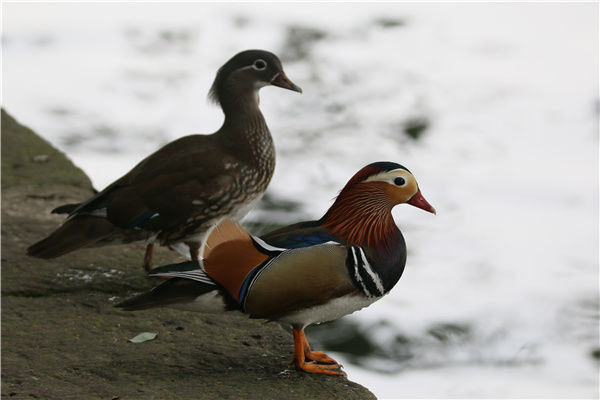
[362,211]
[246,72]
[386,184]
[397,182]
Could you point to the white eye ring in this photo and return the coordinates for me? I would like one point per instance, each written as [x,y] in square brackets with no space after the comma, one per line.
[259,64]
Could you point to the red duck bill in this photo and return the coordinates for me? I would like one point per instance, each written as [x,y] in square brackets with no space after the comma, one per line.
[419,201]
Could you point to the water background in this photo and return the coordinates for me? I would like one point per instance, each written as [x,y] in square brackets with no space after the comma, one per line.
[494,107]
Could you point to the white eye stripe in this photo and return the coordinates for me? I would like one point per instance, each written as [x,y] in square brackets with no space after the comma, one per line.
[253,66]
[389,176]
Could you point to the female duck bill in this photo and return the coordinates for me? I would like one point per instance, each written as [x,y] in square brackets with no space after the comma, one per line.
[283,81]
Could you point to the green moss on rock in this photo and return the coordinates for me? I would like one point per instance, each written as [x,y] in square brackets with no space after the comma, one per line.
[29,159]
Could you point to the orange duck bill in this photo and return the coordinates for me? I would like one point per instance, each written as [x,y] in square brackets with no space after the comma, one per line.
[419,201]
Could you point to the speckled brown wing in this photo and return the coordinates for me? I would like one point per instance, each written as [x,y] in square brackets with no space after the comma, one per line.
[298,279]
[187,180]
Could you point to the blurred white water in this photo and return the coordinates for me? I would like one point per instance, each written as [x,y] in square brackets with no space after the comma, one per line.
[508,94]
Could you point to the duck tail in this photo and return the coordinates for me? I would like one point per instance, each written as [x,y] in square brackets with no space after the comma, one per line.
[75,233]
[178,291]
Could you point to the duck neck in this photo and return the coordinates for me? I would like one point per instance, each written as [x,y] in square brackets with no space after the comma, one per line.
[239,99]
[363,218]
[245,130]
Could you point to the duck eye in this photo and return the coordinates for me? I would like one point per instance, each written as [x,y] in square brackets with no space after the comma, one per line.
[399,181]
[259,65]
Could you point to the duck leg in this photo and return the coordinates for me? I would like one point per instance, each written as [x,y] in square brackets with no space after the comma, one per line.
[148,264]
[302,353]
[317,356]
[194,250]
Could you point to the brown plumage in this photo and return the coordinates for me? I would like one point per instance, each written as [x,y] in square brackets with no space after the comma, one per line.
[362,217]
[85,231]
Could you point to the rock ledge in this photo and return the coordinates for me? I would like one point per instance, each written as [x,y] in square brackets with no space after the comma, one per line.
[62,338]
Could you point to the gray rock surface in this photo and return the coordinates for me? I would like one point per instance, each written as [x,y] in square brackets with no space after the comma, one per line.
[63,339]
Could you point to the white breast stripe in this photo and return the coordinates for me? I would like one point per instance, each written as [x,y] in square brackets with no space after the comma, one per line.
[371,273]
[356,273]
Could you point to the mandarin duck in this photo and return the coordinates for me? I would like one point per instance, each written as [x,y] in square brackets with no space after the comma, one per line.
[302,274]
[180,192]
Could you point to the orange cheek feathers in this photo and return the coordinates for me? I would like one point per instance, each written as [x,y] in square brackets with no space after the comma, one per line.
[399,195]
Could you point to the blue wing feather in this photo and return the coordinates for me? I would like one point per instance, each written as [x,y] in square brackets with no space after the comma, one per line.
[303,234]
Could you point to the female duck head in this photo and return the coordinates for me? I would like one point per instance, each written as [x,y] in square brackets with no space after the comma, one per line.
[245,73]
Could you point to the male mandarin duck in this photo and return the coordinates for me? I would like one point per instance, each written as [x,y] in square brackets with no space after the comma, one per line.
[302,274]
[181,191]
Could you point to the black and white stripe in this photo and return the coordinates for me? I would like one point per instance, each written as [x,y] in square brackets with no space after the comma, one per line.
[362,273]
[184,270]
[198,276]
[266,248]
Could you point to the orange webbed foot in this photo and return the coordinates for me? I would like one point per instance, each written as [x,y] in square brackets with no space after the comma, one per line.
[329,364]
[317,356]
[328,369]
[320,357]
[318,362]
